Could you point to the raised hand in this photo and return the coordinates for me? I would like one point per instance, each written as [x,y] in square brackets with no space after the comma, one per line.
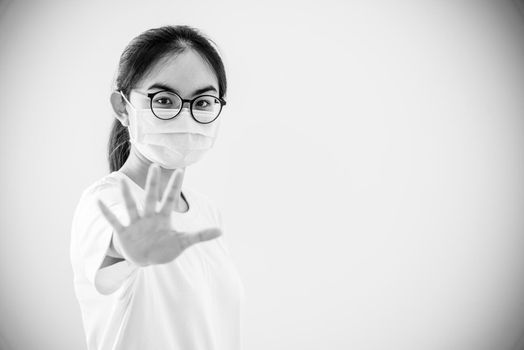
[150,238]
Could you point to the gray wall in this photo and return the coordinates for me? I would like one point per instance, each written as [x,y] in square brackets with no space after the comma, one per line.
[369,166]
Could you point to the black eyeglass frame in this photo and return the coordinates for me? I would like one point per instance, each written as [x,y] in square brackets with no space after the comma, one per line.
[190,101]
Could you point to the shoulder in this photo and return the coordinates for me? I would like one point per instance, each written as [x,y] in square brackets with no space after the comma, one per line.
[106,188]
[87,215]
[200,197]
[206,203]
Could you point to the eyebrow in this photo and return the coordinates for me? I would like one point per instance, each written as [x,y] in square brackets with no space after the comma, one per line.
[169,88]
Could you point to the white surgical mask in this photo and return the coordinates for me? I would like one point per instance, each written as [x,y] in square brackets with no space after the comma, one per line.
[173,143]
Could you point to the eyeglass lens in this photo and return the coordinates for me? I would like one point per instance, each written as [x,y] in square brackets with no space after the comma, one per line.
[166,105]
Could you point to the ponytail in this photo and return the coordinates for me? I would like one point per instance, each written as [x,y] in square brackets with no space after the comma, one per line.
[118,146]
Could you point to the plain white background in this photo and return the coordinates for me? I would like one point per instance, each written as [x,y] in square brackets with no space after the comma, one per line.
[369,165]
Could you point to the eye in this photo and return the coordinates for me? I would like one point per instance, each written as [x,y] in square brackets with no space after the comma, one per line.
[202,103]
[163,101]
[166,100]
[205,103]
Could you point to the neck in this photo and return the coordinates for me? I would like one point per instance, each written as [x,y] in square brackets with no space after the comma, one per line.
[137,166]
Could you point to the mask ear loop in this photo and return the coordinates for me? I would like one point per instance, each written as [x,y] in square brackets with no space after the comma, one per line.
[132,137]
[127,100]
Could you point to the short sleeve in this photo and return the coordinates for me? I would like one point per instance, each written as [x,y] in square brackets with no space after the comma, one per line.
[93,233]
[218,217]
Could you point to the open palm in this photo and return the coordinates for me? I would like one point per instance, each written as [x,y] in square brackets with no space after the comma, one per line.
[150,238]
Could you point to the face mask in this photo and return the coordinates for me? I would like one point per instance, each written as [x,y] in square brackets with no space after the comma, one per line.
[173,143]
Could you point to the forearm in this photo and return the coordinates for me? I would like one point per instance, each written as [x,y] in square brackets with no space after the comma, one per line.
[114,251]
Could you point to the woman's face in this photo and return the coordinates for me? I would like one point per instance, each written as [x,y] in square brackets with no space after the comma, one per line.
[187,74]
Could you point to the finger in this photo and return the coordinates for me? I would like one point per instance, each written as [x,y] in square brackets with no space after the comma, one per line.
[130,202]
[110,217]
[188,239]
[151,189]
[172,192]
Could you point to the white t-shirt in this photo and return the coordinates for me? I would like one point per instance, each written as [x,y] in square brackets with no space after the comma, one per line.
[191,303]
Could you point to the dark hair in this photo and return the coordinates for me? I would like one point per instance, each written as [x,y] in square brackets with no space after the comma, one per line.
[137,59]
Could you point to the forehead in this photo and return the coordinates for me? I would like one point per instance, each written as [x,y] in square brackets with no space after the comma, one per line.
[186,72]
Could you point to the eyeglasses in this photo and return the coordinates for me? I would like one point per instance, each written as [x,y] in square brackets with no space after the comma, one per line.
[167,105]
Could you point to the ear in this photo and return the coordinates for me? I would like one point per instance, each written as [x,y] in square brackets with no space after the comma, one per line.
[119,107]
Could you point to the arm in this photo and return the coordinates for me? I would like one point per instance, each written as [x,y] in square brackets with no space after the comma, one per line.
[112,256]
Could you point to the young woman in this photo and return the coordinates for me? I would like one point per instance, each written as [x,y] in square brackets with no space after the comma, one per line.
[151,267]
